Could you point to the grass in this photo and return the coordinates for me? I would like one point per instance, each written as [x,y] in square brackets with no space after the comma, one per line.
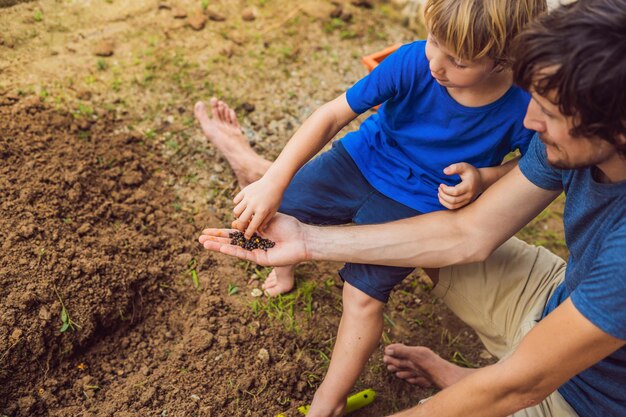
[283,308]
[459,359]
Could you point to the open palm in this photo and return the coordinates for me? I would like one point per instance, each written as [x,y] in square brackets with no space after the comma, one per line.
[287,233]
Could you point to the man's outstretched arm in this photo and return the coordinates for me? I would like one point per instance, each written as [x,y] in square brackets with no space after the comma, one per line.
[562,345]
[432,240]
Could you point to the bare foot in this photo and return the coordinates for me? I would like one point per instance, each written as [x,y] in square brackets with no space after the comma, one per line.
[223,131]
[279,281]
[421,366]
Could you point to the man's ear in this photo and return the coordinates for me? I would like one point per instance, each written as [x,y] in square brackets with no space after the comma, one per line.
[499,67]
[621,144]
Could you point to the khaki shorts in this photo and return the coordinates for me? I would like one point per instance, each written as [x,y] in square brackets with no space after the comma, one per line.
[502,299]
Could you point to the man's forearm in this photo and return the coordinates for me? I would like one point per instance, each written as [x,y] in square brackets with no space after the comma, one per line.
[440,238]
[484,393]
[429,241]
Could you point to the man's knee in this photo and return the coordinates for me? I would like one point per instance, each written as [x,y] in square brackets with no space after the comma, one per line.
[433,274]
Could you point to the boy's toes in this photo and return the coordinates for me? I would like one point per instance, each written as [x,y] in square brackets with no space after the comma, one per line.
[200,111]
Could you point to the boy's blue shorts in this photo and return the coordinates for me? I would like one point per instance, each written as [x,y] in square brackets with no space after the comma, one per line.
[330,190]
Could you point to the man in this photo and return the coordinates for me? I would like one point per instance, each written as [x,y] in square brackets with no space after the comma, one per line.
[560,332]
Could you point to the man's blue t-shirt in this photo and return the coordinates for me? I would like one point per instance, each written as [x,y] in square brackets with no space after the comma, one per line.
[419,130]
[595,278]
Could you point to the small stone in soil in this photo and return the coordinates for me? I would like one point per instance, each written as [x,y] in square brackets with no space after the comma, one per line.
[255,242]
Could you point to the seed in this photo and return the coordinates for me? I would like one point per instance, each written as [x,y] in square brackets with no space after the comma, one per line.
[255,242]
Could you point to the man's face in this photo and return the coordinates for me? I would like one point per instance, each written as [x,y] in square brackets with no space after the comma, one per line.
[563,150]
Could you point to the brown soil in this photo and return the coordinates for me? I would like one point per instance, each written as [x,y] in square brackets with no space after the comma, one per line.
[106,183]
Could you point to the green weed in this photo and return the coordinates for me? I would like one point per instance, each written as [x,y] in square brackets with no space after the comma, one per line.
[172,144]
[191,270]
[101,65]
[348,34]
[38,16]
[232,289]
[448,339]
[334,24]
[461,360]
[66,320]
[84,110]
[149,134]
[204,4]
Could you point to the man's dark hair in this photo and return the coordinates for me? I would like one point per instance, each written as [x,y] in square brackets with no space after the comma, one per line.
[582,48]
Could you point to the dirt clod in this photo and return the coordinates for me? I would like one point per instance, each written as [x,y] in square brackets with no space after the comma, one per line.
[179,13]
[197,21]
[264,356]
[248,14]
[104,48]
[215,16]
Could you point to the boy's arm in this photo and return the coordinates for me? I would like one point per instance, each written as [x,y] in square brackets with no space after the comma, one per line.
[474,181]
[561,346]
[257,203]
[488,176]
[310,138]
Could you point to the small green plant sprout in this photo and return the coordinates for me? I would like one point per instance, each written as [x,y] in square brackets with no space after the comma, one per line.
[204,4]
[66,320]
[150,134]
[191,270]
[232,289]
[101,64]
[38,16]
[459,359]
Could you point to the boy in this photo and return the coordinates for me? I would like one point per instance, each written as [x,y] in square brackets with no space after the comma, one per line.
[445,100]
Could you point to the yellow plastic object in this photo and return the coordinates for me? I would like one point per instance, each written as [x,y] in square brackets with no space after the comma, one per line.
[355,402]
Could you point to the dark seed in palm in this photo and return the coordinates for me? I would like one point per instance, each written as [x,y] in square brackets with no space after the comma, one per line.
[255,242]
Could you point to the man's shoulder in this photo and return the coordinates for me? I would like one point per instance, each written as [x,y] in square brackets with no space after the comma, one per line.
[535,167]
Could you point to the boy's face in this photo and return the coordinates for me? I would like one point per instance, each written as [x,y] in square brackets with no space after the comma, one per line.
[563,150]
[452,72]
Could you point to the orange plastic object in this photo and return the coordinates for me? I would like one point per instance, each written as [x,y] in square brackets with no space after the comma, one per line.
[372,61]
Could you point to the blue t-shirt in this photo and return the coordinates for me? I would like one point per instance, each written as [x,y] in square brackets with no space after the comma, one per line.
[419,130]
[595,278]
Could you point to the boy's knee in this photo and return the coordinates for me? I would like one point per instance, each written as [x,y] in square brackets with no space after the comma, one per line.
[356,301]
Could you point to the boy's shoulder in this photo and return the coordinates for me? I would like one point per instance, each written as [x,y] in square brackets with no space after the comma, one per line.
[409,58]
[415,49]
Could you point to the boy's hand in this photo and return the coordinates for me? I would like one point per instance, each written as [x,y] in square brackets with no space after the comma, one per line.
[288,234]
[255,206]
[466,191]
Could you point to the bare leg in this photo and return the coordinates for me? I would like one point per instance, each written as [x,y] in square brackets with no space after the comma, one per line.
[421,366]
[223,131]
[358,335]
[279,281]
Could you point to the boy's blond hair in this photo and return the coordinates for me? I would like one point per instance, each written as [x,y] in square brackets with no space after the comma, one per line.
[473,29]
